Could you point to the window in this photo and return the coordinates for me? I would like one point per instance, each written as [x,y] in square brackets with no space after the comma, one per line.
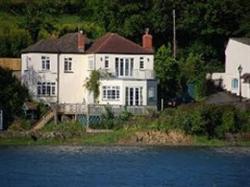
[131,66]
[39,88]
[91,62]
[124,67]
[45,63]
[133,96]
[111,92]
[68,64]
[141,62]
[106,62]
[117,66]
[234,84]
[46,88]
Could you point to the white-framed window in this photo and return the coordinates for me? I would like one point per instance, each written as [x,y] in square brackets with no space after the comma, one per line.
[46,89]
[45,63]
[133,96]
[124,67]
[90,62]
[111,93]
[106,62]
[235,84]
[141,63]
[68,64]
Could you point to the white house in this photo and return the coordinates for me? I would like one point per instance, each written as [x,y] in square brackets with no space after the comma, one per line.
[56,70]
[236,78]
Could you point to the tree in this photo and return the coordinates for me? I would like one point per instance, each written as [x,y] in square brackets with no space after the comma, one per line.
[12,95]
[167,71]
[194,71]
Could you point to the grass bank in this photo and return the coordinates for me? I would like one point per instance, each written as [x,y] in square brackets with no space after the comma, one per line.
[196,125]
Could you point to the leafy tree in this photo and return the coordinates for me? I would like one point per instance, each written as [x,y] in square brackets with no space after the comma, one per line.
[167,71]
[13,40]
[12,95]
[193,69]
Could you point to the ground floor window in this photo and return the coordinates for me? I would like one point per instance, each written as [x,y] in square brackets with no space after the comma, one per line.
[111,93]
[133,96]
[234,84]
[46,89]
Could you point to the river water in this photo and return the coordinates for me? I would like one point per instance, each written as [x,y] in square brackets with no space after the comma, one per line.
[123,166]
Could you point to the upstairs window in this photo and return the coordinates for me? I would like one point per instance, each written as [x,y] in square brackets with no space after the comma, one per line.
[106,62]
[235,84]
[90,62]
[124,67]
[68,64]
[45,63]
[141,62]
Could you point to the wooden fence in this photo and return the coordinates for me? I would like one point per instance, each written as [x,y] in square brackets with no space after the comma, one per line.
[13,64]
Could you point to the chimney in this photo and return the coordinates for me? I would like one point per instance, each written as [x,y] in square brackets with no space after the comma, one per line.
[81,41]
[147,40]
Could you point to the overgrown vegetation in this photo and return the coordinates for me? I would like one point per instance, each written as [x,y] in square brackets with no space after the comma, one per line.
[93,83]
[12,95]
[212,121]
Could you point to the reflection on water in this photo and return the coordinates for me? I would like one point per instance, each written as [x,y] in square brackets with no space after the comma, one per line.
[124,166]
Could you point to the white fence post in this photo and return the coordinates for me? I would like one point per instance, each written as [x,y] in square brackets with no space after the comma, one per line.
[1,120]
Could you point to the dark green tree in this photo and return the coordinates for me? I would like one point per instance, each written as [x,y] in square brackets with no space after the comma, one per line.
[167,72]
[12,95]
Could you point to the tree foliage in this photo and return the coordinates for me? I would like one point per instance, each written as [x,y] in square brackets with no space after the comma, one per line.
[167,70]
[206,25]
[93,83]
[12,95]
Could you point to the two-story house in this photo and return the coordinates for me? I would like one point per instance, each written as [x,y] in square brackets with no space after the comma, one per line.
[56,70]
[236,78]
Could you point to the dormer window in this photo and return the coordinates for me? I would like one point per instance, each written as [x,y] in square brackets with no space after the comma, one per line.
[45,63]
[106,62]
[141,62]
[68,64]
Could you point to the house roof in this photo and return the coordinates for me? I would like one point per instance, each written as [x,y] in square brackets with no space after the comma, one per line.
[242,40]
[65,44]
[109,43]
[48,45]
[114,43]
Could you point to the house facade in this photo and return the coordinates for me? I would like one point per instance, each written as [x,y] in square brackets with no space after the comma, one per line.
[236,78]
[57,70]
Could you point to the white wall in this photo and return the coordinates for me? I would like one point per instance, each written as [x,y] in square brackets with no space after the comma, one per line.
[123,84]
[237,54]
[33,63]
[145,73]
[71,84]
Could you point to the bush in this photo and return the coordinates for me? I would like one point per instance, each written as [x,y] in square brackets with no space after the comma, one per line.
[208,120]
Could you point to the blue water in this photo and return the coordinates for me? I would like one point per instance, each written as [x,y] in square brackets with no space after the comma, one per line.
[124,166]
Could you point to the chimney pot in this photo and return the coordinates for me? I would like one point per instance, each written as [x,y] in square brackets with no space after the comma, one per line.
[81,41]
[147,40]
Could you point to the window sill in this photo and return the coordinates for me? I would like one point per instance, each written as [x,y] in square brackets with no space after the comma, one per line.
[46,95]
[44,71]
[68,71]
[110,99]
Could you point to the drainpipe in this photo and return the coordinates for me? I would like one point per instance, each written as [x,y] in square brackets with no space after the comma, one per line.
[57,85]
